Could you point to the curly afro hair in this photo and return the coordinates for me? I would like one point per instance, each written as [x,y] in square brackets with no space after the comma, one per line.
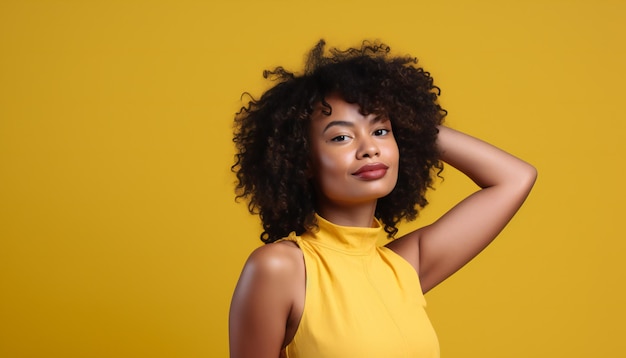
[271,134]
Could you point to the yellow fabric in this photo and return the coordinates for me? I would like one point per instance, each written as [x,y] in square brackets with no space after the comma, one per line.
[361,300]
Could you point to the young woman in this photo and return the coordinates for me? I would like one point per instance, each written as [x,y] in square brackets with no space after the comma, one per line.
[332,160]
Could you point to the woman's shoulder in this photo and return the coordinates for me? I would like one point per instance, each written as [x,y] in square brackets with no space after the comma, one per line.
[407,247]
[276,260]
[266,299]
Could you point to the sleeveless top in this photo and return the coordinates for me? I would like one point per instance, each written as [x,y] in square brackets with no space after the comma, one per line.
[361,300]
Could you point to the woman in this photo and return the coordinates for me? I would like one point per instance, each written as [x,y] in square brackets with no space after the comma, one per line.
[332,160]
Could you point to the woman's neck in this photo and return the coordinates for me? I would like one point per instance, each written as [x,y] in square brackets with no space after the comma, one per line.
[354,215]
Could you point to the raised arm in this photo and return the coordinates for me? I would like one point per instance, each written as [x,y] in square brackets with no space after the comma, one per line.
[440,249]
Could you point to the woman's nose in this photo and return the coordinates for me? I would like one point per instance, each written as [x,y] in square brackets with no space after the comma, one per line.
[368,148]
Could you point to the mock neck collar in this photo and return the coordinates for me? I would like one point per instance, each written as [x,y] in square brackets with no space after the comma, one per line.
[349,239]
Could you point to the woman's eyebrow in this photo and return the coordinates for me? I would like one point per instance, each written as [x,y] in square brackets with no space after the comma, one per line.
[337,123]
[376,119]
[379,118]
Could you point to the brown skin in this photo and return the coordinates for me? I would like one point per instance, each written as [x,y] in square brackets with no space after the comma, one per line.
[342,144]
[269,299]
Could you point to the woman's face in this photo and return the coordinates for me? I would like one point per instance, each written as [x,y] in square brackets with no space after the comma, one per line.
[354,158]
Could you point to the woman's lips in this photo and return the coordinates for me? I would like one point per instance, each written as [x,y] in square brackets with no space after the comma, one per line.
[371,171]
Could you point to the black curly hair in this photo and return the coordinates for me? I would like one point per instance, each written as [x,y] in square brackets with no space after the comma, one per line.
[271,133]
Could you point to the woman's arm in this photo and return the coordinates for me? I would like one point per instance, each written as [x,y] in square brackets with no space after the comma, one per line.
[263,300]
[440,249]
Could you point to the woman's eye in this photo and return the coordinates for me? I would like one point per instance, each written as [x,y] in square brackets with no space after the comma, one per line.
[339,138]
[380,132]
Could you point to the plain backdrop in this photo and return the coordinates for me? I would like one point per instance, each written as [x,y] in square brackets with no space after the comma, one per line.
[119,233]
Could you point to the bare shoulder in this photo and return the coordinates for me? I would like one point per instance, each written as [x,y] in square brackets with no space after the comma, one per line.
[273,267]
[407,247]
[275,259]
[263,301]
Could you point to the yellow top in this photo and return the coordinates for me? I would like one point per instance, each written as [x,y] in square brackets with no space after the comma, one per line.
[361,300]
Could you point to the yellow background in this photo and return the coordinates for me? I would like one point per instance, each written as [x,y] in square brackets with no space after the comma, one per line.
[119,236]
